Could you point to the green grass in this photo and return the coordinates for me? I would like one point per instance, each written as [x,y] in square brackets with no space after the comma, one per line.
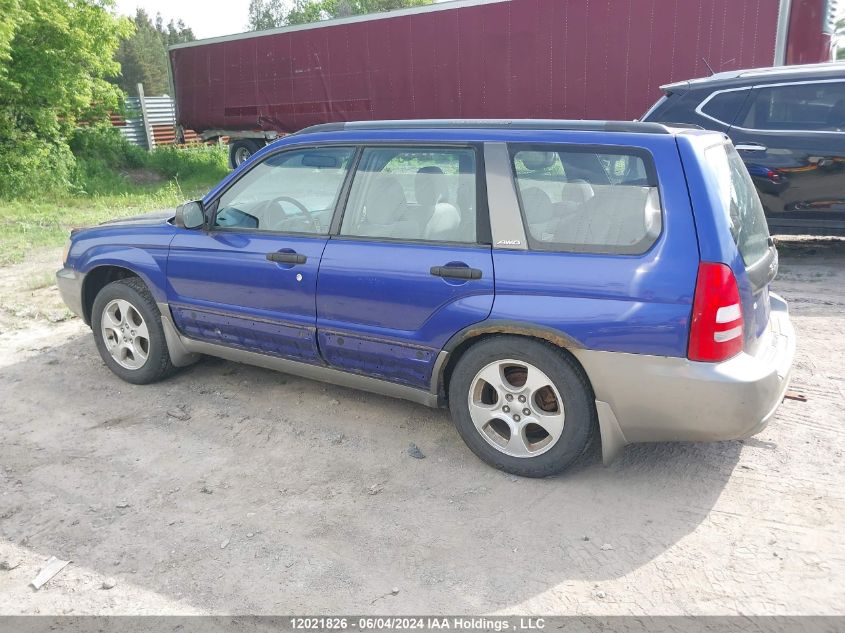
[41,280]
[168,177]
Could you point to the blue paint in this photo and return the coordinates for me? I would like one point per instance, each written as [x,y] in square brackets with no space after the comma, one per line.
[225,276]
[372,306]
[399,315]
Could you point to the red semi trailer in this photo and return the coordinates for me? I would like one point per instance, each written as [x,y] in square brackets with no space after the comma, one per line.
[480,59]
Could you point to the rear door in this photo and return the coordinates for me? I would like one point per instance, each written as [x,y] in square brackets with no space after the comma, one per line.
[409,264]
[791,137]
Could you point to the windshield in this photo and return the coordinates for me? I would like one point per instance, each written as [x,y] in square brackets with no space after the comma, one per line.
[740,203]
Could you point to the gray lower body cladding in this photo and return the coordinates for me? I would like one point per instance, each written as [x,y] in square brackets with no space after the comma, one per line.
[639,398]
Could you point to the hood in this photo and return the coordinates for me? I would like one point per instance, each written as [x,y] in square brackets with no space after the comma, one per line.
[155,217]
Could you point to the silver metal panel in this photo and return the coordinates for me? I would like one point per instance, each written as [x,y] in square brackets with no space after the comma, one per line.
[782,33]
[505,219]
[145,119]
[160,111]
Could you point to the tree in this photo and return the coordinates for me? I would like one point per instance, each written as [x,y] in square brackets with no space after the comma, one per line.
[267,14]
[56,57]
[143,55]
[840,33]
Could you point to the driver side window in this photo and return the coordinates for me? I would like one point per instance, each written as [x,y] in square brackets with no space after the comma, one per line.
[289,192]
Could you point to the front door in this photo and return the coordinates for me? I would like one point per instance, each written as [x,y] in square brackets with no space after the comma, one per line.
[249,280]
[792,140]
[407,270]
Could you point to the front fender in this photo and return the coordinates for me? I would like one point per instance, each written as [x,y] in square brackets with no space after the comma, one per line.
[150,266]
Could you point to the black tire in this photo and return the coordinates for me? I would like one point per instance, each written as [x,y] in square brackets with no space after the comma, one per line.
[241,150]
[157,364]
[580,426]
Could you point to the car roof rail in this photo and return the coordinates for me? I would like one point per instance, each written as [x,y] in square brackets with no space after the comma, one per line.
[497,124]
[682,126]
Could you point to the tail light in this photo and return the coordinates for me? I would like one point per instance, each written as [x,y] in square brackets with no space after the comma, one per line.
[716,328]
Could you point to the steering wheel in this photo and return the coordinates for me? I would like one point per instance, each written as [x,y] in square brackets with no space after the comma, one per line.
[310,218]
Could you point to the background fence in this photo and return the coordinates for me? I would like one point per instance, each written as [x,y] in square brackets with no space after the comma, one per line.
[160,117]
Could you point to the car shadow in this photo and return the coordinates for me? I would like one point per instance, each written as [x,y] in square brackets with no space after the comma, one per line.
[243,490]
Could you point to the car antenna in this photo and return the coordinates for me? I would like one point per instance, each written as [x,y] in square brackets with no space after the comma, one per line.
[709,67]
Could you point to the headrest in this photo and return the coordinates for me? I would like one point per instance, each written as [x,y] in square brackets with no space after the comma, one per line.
[385,200]
[538,205]
[429,185]
[577,191]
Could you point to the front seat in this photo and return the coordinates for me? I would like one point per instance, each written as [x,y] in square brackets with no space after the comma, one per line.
[386,205]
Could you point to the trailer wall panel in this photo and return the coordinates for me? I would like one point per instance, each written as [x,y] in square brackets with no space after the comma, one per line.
[509,59]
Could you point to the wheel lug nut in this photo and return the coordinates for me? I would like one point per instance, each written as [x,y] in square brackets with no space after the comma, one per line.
[506,409]
[508,397]
[516,418]
[526,411]
[522,398]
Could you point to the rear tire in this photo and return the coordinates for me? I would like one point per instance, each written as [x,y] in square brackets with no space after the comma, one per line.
[522,405]
[241,150]
[128,332]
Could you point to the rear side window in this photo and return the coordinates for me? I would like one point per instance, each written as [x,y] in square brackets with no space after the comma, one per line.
[739,202]
[413,194]
[724,106]
[577,199]
[809,106]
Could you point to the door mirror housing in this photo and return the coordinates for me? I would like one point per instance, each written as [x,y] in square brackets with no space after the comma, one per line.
[190,215]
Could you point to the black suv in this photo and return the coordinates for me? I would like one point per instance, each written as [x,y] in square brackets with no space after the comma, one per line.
[788,124]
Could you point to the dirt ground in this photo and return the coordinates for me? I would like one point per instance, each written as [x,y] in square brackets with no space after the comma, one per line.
[231,489]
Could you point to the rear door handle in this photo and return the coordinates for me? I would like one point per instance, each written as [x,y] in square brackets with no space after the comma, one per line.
[287,258]
[456,272]
[750,147]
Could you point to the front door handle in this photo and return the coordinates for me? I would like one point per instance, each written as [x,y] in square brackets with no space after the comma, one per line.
[287,258]
[750,147]
[456,272]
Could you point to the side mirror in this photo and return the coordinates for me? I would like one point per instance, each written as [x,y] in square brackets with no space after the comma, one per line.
[189,215]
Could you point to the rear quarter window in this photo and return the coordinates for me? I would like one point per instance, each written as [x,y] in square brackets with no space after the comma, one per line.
[594,200]
[724,106]
[739,201]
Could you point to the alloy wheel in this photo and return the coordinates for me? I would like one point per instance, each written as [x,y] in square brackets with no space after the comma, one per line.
[125,334]
[516,408]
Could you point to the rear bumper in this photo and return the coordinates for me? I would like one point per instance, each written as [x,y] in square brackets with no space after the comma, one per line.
[644,398]
[70,287]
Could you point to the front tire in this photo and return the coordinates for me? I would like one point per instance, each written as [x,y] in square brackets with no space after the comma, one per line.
[128,332]
[522,405]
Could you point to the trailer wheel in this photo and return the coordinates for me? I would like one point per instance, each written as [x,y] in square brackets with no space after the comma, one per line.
[240,151]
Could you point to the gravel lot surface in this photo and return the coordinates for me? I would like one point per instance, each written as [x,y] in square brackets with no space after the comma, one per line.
[231,489]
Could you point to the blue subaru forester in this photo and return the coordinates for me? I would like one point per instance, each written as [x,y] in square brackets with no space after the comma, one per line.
[548,281]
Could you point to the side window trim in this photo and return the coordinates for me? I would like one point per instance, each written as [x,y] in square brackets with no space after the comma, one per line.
[482,221]
[699,110]
[750,102]
[214,203]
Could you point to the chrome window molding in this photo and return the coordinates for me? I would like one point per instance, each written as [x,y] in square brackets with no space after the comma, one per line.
[699,109]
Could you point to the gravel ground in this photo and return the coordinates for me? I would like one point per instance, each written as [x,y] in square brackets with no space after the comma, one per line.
[231,489]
